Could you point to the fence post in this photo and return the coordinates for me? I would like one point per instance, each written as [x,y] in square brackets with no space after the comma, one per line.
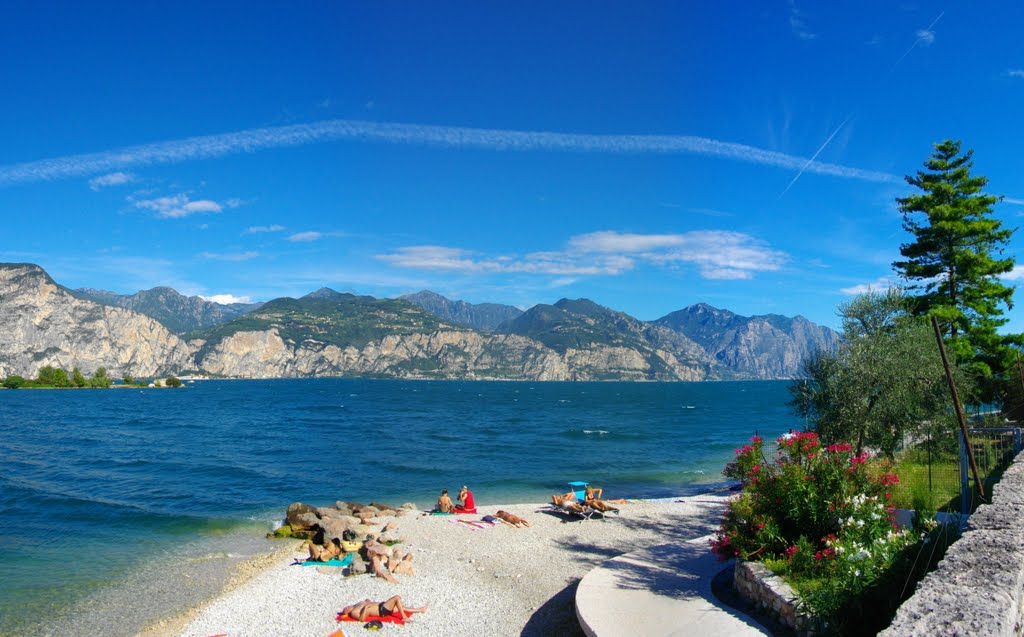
[965,477]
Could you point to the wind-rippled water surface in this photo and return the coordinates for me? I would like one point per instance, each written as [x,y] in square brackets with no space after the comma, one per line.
[99,488]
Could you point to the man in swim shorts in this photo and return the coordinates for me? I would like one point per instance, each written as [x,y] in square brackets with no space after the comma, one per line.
[369,608]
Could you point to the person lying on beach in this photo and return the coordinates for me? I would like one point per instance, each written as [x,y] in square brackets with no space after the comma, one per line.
[568,502]
[511,519]
[600,505]
[444,503]
[466,504]
[330,550]
[369,608]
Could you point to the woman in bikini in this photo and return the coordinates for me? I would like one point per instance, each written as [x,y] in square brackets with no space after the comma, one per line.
[369,608]
[330,550]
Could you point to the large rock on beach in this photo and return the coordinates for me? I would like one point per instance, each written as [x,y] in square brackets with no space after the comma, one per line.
[303,520]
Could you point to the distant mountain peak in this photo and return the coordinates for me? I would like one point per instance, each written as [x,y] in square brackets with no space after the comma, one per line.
[326,293]
[482,316]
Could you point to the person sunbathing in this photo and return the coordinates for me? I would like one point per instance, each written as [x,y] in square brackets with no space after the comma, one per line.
[466,504]
[511,519]
[567,502]
[369,608]
[330,550]
[444,503]
[593,493]
[379,556]
[600,505]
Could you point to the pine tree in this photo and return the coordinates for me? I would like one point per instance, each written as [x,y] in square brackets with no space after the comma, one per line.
[955,260]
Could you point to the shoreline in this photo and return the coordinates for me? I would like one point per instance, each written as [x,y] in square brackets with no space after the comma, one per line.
[502,580]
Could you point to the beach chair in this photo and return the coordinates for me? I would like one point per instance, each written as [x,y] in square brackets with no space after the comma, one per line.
[579,488]
[579,511]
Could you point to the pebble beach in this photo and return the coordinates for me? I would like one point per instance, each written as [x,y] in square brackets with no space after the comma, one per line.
[495,581]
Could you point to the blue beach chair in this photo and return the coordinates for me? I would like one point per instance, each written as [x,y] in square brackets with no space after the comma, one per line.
[580,489]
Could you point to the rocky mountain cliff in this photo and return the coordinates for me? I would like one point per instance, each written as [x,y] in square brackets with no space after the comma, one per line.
[328,333]
[179,313]
[45,324]
[481,316]
[769,346]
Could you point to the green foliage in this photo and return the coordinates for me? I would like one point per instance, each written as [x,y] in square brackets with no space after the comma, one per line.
[807,491]
[14,381]
[956,257]
[77,380]
[99,379]
[822,518]
[52,377]
[127,379]
[172,381]
[884,381]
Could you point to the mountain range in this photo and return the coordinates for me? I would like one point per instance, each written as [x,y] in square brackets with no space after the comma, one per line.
[422,335]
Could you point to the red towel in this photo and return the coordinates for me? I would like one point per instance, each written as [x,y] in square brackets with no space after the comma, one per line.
[462,511]
[388,619]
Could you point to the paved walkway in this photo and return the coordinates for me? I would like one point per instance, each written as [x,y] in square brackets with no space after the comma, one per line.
[656,592]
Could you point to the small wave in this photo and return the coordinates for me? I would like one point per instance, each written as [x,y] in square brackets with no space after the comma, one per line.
[599,432]
[688,407]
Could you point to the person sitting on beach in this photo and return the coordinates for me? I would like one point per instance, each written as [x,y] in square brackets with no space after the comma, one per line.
[593,493]
[444,503]
[379,556]
[369,608]
[466,504]
[331,549]
[511,519]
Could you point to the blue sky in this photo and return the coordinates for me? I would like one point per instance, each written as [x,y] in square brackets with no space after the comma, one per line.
[645,155]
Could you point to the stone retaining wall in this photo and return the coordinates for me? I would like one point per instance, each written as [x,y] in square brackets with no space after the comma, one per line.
[771,595]
[978,589]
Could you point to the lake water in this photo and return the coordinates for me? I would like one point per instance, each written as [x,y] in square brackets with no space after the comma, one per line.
[119,506]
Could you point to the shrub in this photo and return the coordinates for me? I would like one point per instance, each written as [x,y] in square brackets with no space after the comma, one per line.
[14,381]
[173,381]
[818,515]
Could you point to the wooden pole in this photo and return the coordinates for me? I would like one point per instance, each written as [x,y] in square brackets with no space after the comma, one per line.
[959,409]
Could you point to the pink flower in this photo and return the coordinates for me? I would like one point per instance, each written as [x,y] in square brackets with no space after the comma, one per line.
[791,551]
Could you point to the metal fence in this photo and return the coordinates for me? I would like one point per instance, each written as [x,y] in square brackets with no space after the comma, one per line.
[994,449]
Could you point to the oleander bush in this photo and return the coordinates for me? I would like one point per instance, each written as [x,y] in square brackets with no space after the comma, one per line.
[821,516]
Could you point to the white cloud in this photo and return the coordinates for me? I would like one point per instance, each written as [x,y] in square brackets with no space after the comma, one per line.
[879,285]
[306,236]
[226,299]
[1016,274]
[797,24]
[1016,73]
[248,141]
[1016,202]
[256,229]
[925,36]
[716,254]
[618,242]
[177,206]
[110,179]
[229,256]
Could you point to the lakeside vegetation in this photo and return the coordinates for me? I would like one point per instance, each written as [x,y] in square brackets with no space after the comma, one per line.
[50,377]
[884,416]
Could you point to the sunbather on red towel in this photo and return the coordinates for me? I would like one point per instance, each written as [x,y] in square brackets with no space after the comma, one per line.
[466,501]
[389,611]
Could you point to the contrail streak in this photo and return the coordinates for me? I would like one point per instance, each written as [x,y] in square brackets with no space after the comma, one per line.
[850,116]
[253,140]
[815,155]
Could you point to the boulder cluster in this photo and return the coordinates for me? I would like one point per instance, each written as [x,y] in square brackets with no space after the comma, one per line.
[304,521]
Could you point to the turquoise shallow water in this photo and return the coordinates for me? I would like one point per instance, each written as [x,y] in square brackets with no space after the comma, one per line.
[99,488]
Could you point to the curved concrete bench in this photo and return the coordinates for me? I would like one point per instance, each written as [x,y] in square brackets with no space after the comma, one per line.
[660,591]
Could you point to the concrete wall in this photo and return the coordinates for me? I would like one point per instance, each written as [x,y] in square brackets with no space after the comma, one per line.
[978,589]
